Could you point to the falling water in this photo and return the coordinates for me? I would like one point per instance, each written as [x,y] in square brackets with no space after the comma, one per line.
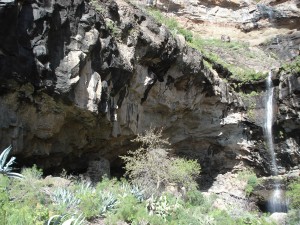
[269,123]
[276,202]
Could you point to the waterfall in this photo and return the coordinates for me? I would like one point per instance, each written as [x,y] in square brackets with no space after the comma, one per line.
[277,202]
[269,123]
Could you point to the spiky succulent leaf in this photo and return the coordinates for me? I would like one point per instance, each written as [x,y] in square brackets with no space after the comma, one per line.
[5,168]
[59,220]
[4,155]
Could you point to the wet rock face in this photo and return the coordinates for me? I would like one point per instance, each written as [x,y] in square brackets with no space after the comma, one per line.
[77,85]
[288,136]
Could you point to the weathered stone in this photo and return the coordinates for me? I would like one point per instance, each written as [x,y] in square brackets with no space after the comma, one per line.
[97,169]
[72,86]
[278,218]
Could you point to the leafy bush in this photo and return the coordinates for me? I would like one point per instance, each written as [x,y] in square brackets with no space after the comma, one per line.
[151,168]
[293,193]
[250,177]
[195,198]
[292,67]
[89,204]
[251,184]
[293,216]
[184,172]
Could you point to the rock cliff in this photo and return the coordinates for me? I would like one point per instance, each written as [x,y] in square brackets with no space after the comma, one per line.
[79,79]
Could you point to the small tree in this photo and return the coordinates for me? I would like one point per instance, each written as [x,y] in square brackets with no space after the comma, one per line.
[152,168]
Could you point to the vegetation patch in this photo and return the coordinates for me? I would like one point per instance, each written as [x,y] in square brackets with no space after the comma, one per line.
[250,177]
[70,200]
[170,23]
[231,55]
[294,202]
[292,67]
[153,169]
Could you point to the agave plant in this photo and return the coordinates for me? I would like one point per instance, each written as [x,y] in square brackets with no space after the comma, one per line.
[5,168]
[65,197]
[135,190]
[64,220]
[84,187]
[138,193]
[108,200]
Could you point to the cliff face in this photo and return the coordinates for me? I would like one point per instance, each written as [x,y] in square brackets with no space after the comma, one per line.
[270,23]
[79,80]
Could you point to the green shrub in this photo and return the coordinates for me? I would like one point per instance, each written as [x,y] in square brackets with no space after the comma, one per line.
[293,216]
[29,190]
[292,67]
[4,198]
[89,204]
[293,193]
[195,198]
[184,172]
[171,24]
[152,168]
[251,184]
[250,177]
[129,210]
[23,214]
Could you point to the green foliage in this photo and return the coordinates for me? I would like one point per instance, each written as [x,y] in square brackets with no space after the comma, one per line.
[4,198]
[171,24]
[64,199]
[116,201]
[6,167]
[292,67]
[250,177]
[151,168]
[97,201]
[162,206]
[108,202]
[293,193]
[184,172]
[127,210]
[25,214]
[211,49]
[97,6]
[112,27]
[293,216]
[251,184]
[200,43]
[195,197]
[89,204]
